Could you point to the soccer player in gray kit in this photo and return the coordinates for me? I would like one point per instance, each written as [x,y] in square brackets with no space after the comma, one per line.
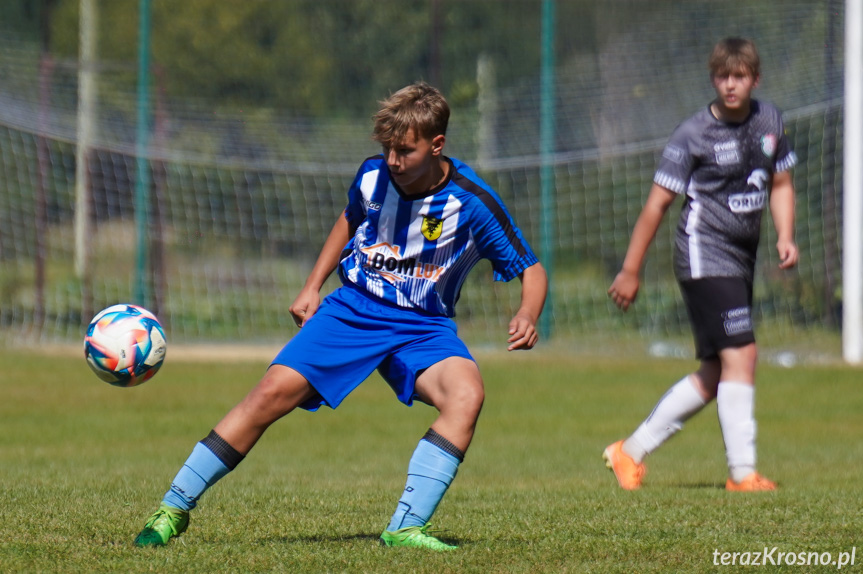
[729,161]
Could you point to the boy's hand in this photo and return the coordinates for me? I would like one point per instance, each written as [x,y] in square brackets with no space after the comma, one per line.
[522,332]
[788,254]
[305,305]
[624,289]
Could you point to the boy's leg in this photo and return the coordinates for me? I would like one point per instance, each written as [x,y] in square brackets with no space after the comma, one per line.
[280,391]
[735,405]
[683,400]
[211,459]
[455,388]
[431,470]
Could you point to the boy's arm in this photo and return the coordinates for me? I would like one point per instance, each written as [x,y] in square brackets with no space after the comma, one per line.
[782,211]
[306,303]
[624,289]
[522,328]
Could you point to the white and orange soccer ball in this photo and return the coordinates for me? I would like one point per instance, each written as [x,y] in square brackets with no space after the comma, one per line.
[125,345]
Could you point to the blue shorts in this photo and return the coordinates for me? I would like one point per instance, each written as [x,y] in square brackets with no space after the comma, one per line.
[353,333]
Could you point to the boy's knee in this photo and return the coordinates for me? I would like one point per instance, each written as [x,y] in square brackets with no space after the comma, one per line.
[476,396]
[280,388]
[470,397]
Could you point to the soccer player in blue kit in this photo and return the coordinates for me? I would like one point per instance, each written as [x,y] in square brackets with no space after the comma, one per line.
[729,160]
[415,224]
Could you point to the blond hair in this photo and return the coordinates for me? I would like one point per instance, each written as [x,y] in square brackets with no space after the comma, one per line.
[418,106]
[732,55]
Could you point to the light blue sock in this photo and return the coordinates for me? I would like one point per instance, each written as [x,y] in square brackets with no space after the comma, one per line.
[201,471]
[430,472]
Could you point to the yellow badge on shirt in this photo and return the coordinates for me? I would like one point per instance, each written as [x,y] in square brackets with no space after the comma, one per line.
[431,227]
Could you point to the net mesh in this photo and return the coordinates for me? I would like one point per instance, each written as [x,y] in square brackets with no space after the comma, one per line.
[242,191]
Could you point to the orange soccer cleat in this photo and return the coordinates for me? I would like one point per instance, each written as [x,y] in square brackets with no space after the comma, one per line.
[752,483]
[628,472]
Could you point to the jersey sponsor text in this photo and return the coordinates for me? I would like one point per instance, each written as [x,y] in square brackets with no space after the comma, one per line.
[747,202]
[738,321]
[386,260]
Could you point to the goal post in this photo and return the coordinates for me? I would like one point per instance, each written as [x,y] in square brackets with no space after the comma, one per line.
[852,271]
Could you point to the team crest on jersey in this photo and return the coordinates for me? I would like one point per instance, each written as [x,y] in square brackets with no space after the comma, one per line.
[431,227]
[768,144]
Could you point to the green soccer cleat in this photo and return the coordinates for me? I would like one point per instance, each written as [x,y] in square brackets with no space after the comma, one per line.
[414,537]
[165,523]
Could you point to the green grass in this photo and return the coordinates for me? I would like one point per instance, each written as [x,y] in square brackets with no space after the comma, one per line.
[83,464]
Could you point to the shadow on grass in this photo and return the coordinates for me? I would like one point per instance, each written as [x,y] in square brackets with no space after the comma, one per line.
[321,538]
[696,485]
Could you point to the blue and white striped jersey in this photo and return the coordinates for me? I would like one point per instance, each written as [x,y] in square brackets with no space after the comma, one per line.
[416,251]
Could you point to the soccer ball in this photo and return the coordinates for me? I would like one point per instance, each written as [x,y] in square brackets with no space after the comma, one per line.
[125,345]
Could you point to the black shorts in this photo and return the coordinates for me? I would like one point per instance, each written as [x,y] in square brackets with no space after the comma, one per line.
[720,312]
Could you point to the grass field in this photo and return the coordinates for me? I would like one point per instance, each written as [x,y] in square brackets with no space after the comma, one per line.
[82,465]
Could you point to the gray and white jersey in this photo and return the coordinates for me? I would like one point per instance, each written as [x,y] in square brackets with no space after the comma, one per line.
[726,171]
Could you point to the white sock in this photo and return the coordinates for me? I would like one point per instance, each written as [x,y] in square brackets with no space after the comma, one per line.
[675,407]
[735,404]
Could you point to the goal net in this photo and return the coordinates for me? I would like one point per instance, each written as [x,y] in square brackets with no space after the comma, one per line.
[239,191]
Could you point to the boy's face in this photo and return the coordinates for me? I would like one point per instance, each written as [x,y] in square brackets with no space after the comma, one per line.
[734,89]
[412,161]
